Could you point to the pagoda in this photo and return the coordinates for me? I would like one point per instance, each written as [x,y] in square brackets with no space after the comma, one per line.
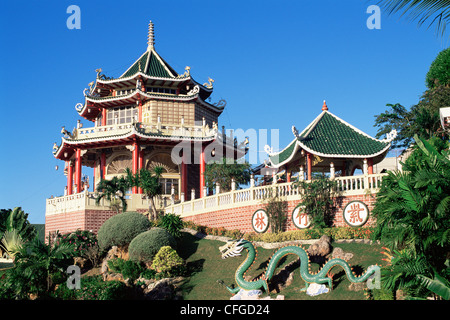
[149,116]
[328,145]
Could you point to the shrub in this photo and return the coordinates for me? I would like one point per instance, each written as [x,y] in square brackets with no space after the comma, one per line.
[83,240]
[172,223]
[129,269]
[166,259]
[93,288]
[145,245]
[120,229]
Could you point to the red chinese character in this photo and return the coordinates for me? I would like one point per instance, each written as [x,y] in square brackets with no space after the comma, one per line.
[259,221]
[355,213]
[301,216]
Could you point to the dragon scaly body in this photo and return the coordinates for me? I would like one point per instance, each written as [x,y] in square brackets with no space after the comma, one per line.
[234,248]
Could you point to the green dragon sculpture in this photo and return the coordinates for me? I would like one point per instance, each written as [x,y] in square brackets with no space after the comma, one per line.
[234,248]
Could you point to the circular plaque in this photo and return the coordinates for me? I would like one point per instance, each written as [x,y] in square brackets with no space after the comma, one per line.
[300,219]
[356,213]
[260,221]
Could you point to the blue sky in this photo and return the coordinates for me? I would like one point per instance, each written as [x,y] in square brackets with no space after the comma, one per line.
[273,61]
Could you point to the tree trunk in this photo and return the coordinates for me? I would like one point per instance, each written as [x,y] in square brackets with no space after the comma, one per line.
[152,212]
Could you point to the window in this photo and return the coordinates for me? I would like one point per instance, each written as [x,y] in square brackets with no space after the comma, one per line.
[161,90]
[123,92]
[121,115]
[167,183]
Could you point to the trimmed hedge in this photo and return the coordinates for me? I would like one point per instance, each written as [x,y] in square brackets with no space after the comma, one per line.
[120,229]
[147,244]
[303,234]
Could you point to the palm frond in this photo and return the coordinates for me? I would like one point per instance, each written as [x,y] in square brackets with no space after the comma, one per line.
[438,285]
[434,11]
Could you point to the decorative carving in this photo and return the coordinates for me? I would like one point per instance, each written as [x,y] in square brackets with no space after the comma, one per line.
[164,161]
[67,134]
[235,247]
[78,107]
[186,73]
[209,84]
[268,149]
[119,164]
[221,104]
[194,90]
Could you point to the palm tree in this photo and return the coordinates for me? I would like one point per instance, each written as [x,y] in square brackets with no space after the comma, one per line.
[114,191]
[148,181]
[412,214]
[433,11]
[36,266]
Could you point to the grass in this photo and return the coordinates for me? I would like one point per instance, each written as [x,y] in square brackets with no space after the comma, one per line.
[203,257]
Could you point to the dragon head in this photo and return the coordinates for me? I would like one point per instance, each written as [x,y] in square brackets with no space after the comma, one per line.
[232,248]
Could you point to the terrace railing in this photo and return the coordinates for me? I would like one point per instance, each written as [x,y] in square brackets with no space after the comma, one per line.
[346,186]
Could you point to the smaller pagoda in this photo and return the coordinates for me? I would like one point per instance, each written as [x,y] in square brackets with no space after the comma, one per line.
[328,145]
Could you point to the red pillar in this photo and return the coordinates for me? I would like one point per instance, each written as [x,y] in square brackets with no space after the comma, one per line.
[104,117]
[309,165]
[78,170]
[140,111]
[135,162]
[70,178]
[140,164]
[102,165]
[288,176]
[184,175]
[202,171]
[370,166]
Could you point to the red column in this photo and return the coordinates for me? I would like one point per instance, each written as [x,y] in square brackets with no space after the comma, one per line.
[309,165]
[95,173]
[78,170]
[70,178]
[370,166]
[140,111]
[141,164]
[102,165]
[288,176]
[104,117]
[184,174]
[135,162]
[202,171]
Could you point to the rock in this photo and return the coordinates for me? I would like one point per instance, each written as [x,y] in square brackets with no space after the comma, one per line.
[79,261]
[359,286]
[340,254]
[315,289]
[112,253]
[247,295]
[319,250]
[160,290]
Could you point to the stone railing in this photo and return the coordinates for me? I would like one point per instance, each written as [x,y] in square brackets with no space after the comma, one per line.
[155,128]
[87,201]
[346,186]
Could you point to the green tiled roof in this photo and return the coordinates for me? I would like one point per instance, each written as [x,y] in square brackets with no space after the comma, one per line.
[332,136]
[151,64]
[329,136]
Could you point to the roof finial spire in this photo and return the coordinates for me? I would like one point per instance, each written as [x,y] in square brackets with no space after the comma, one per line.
[151,36]
[324,107]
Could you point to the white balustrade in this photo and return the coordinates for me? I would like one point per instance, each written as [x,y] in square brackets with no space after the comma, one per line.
[86,200]
[345,185]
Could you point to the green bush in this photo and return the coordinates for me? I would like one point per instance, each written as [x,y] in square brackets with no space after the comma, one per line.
[145,245]
[172,223]
[120,229]
[439,72]
[93,288]
[129,269]
[83,240]
[166,259]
